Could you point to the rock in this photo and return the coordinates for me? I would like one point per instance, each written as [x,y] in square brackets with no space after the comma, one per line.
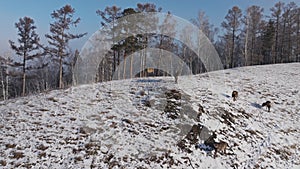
[201,109]
[147,103]
[191,138]
[173,94]
[104,149]
[226,115]
[127,121]
[172,107]
[205,133]
[108,158]
[211,140]
[194,134]
[86,130]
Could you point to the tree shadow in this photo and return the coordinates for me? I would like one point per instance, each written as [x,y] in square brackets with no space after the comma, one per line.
[256,105]
[148,80]
[225,95]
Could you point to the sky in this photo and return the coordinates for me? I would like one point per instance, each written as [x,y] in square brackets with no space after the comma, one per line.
[40,11]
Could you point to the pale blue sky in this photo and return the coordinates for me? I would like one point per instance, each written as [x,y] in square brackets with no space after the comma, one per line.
[40,10]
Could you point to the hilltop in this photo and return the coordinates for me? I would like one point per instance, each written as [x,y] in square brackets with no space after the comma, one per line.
[146,123]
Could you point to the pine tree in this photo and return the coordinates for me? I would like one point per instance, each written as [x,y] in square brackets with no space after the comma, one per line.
[28,46]
[60,35]
[109,16]
[268,38]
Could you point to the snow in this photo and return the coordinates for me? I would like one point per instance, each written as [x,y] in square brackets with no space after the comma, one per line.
[108,125]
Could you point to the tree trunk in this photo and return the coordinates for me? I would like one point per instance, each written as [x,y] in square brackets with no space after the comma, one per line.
[124,66]
[131,68]
[141,64]
[3,86]
[252,51]
[232,49]
[118,65]
[298,37]
[24,73]
[282,42]
[145,61]
[7,94]
[61,85]
[24,84]
[276,40]
[246,46]
[289,45]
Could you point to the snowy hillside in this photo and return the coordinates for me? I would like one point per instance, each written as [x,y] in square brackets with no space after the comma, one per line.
[155,123]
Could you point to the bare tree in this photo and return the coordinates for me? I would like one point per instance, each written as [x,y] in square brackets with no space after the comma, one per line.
[289,22]
[297,41]
[202,22]
[60,37]
[276,16]
[3,78]
[253,22]
[231,25]
[147,7]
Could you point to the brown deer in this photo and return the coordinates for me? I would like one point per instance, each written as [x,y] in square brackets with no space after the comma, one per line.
[267,104]
[234,95]
[220,147]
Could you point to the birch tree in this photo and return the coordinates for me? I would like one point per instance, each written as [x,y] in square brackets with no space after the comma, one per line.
[202,22]
[253,23]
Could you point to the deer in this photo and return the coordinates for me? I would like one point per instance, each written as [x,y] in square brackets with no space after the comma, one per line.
[267,104]
[220,147]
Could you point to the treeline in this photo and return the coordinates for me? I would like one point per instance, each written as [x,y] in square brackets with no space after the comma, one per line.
[251,38]
[245,38]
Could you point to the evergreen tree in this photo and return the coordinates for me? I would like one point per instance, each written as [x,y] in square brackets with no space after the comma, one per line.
[28,46]
[268,38]
[109,16]
[60,36]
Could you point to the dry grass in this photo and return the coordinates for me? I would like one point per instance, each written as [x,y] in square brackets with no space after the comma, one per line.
[3,162]
[17,155]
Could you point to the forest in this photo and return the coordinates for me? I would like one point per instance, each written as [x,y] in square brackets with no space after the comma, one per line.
[246,37]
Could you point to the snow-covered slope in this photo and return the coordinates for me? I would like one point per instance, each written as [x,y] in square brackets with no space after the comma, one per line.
[146,123]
